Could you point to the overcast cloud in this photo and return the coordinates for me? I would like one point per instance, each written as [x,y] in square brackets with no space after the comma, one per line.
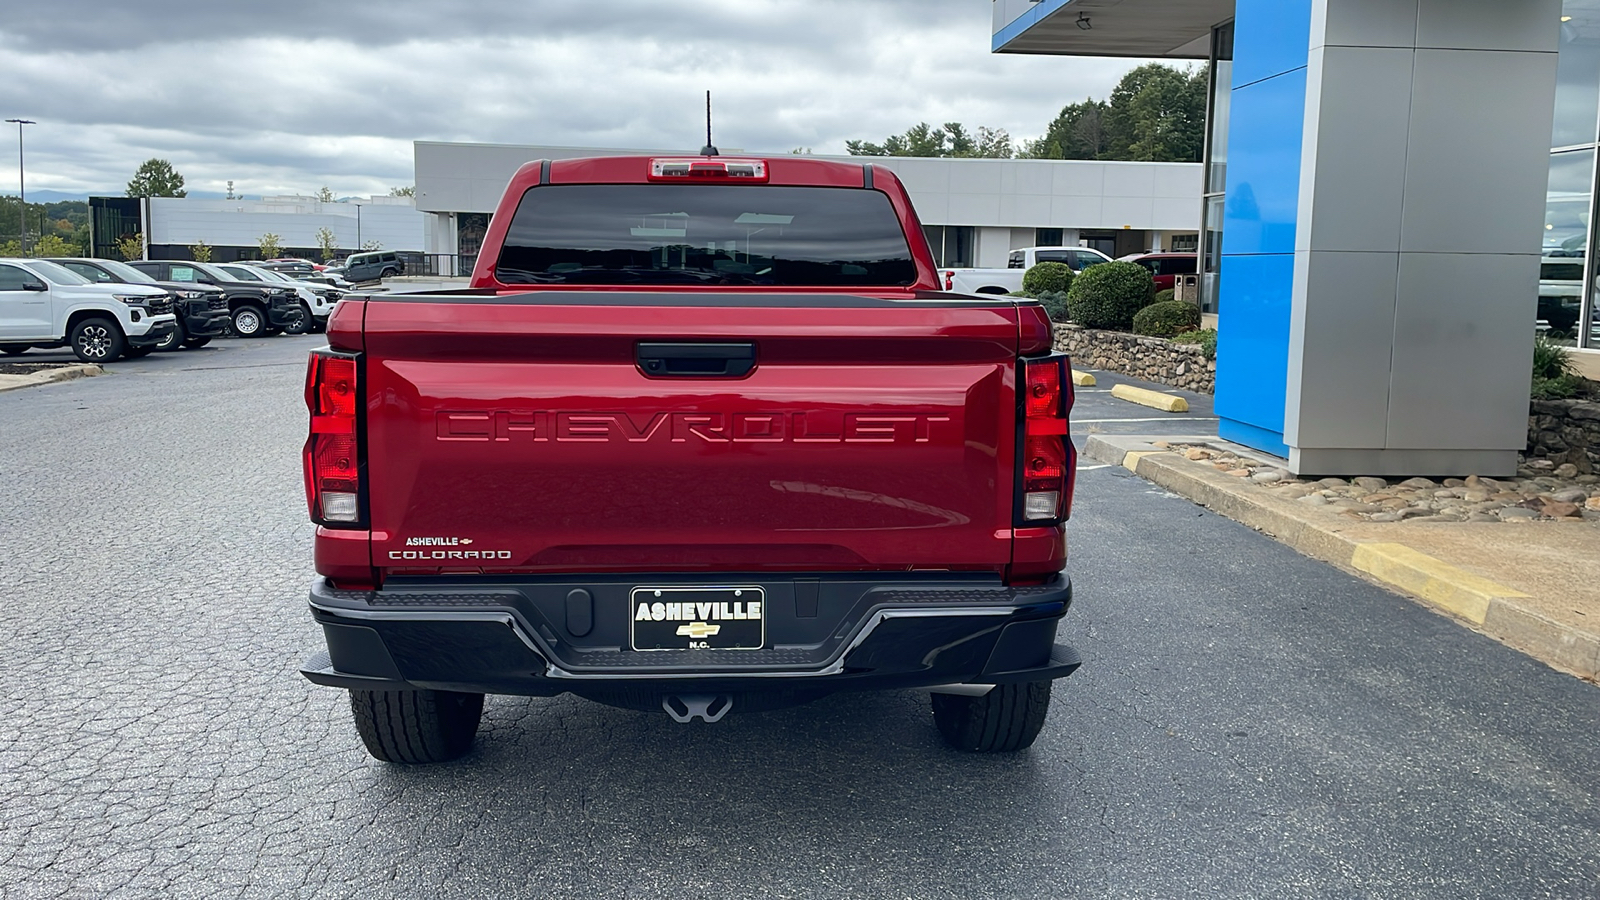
[289,96]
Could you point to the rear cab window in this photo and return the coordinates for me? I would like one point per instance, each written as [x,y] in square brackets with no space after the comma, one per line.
[705,234]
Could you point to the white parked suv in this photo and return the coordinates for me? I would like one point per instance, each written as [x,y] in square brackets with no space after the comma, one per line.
[44,304]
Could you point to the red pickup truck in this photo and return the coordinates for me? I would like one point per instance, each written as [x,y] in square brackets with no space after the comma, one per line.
[703,435]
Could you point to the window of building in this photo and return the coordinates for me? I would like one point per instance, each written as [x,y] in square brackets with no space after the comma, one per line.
[1185,243]
[951,245]
[1049,237]
[1567,310]
[1216,165]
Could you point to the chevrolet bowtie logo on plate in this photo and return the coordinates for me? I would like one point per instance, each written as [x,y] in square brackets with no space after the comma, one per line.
[698,630]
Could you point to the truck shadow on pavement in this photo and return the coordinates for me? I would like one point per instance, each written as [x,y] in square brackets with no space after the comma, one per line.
[856,790]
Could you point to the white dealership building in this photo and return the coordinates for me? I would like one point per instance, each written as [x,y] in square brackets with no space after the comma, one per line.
[974,210]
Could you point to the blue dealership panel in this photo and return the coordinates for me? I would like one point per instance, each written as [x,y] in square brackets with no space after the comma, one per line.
[1270,37]
[1272,41]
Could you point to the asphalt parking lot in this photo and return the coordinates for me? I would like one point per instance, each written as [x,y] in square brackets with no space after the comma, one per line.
[1248,723]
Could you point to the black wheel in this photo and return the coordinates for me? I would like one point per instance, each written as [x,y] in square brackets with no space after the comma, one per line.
[174,340]
[97,340]
[249,321]
[416,726]
[389,273]
[137,352]
[195,343]
[302,324]
[1005,719]
[14,349]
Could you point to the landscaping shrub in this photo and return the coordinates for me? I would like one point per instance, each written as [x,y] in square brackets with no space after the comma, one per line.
[1166,319]
[1207,339]
[1047,278]
[1055,303]
[1554,375]
[1166,296]
[1110,294]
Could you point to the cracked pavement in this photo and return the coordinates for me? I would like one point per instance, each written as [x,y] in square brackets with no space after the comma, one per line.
[1248,722]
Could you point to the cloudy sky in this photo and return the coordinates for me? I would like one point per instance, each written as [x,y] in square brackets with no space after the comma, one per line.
[288,96]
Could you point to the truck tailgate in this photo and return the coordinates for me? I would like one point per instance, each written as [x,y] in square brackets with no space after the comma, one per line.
[522,433]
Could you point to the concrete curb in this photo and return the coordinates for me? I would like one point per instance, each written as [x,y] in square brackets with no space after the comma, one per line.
[1153,399]
[1491,608]
[1082,379]
[48,376]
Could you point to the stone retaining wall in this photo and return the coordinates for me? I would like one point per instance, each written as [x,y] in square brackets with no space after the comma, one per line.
[1565,432]
[1149,359]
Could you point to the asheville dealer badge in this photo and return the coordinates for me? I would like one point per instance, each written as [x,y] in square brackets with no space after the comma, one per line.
[698,618]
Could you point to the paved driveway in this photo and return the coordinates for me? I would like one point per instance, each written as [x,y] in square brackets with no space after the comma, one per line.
[1249,723]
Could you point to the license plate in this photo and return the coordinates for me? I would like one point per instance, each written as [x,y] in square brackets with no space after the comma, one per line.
[698,618]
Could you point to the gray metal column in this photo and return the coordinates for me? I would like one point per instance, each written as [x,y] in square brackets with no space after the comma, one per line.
[1422,195]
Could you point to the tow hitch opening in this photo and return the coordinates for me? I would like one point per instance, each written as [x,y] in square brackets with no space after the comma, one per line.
[685,708]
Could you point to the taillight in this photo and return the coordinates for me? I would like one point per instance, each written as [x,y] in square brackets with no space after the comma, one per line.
[333,451]
[949,281]
[1048,461]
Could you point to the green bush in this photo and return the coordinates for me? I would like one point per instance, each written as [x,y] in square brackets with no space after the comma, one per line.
[1110,294]
[1207,339]
[1166,296]
[1562,387]
[1550,359]
[1047,278]
[1166,319]
[1055,303]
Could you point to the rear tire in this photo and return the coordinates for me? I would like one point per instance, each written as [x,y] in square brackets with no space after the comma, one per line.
[416,726]
[249,321]
[97,340]
[1004,720]
[14,349]
[174,340]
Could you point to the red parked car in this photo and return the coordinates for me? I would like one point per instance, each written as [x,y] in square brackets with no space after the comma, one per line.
[1166,267]
[703,436]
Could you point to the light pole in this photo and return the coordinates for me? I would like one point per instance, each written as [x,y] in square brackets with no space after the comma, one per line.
[359,248]
[22,187]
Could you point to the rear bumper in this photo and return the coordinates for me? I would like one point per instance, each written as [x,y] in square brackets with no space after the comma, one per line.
[526,637]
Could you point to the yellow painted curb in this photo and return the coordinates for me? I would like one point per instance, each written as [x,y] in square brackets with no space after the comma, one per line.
[1130,460]
[1082,379]
[1445,586]
[1153,399]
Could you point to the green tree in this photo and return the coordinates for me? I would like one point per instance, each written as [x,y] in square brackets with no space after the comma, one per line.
[327,242]
[953,139]
[201,251]
[156,178]
[409,190]
[325,194]
[1157,113]
[131,246]
[371,245]
[270,246]
[52,245]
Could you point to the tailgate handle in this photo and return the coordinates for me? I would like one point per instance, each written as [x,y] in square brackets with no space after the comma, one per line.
[695,360]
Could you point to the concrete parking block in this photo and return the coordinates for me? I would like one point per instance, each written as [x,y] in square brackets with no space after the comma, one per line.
[1153,399]
[48,376]
[1082,379]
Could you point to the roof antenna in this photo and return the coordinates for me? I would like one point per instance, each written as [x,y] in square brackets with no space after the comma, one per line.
[708,149]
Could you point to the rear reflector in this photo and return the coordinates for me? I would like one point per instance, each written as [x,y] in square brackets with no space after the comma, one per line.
[709,168]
